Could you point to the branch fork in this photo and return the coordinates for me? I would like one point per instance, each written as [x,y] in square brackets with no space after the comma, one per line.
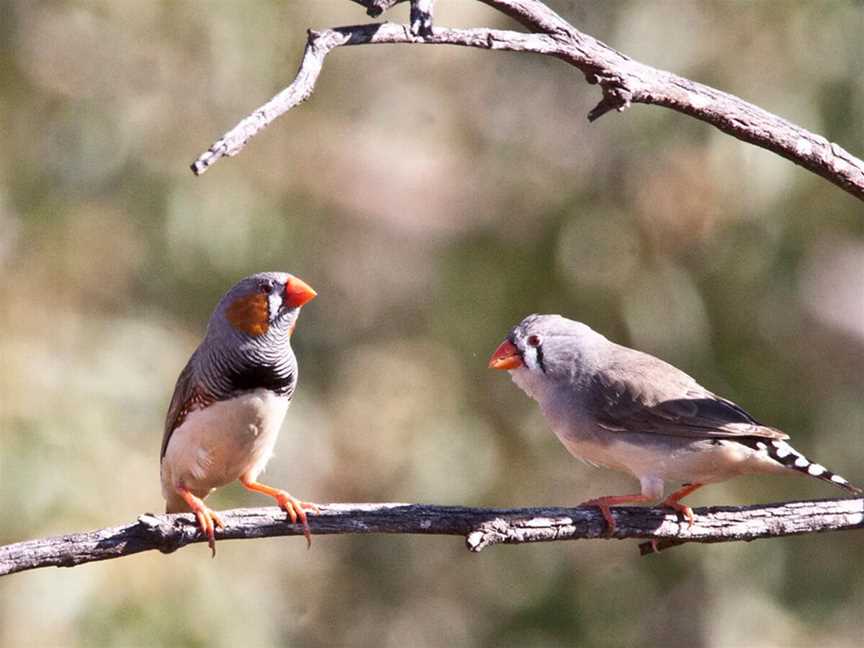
[623,82]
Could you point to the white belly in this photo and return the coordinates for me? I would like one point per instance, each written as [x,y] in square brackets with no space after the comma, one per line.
[674,459]
[220,443]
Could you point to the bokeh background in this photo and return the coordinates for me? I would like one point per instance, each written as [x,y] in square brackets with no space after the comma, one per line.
[433,196]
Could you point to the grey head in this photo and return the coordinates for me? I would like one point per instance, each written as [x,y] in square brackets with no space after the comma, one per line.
[259,307]
[248,339]
[551,347]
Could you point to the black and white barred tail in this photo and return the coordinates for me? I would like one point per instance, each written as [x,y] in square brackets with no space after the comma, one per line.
[785,454]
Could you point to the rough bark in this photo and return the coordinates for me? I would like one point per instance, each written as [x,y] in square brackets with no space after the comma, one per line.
[481,528]
[622,80]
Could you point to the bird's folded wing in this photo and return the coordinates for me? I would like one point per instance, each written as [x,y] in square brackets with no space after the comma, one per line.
[187,396]
[649,395]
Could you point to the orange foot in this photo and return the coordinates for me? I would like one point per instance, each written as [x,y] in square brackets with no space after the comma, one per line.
[208,520]
[673,503]
[603,503]
[295,508]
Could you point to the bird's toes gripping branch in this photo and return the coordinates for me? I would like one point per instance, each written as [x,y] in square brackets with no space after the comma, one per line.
[295,508]
[673,501]
[207,518]
[604,504]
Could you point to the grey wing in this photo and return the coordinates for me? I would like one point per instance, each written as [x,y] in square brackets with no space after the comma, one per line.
[644,394]
[185,397]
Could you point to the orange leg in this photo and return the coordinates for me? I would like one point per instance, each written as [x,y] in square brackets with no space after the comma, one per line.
[603,503]
[295,509]
[207,518]
[673,503]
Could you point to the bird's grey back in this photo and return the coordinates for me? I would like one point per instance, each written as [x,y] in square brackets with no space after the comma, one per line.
[624,389]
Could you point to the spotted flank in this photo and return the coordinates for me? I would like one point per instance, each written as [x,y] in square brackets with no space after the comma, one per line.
[783,453]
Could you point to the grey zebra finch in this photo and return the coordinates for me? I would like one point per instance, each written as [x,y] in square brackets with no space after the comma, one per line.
[627,410]
[231,398]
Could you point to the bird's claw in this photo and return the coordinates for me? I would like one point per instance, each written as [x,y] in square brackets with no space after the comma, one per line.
[673,501]
[208,520]
[606,511]
[604,504]
[296,510]
[683,509]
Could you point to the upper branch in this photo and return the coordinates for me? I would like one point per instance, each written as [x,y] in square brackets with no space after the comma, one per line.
[481,528]
[321,43]
[622,80]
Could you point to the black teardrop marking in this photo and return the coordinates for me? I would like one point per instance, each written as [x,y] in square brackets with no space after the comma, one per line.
[540,362]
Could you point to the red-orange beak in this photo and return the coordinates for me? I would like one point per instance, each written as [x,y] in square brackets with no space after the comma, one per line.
[298,292]
[506,356]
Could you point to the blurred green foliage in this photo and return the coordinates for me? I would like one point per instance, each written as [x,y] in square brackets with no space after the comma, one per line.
[433,197]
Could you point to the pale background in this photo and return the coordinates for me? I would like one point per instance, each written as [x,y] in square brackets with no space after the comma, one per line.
[433,196]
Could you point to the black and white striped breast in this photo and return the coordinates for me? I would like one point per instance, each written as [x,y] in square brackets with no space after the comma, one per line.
[271,367]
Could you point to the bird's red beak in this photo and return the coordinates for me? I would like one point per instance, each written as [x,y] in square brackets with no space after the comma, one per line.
[506,356]
[298,292]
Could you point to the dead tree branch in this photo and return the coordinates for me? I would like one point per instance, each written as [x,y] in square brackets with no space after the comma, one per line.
[480,527]
[622,80]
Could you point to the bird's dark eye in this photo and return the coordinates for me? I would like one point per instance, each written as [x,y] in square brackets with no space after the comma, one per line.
[533,340]
[266,288]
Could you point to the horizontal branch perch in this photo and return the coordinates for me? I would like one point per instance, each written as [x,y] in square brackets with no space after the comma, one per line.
[622,80]
[481,528]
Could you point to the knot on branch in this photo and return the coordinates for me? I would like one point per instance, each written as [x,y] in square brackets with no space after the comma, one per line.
[616,96]
[164,535]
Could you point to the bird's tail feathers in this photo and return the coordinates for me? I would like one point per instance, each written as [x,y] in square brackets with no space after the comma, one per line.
[785,454]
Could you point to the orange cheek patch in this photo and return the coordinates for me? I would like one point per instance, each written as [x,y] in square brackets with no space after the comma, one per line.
[249,314]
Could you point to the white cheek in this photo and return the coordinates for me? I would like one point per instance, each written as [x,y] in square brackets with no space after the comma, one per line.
[275,303]
[529,358]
